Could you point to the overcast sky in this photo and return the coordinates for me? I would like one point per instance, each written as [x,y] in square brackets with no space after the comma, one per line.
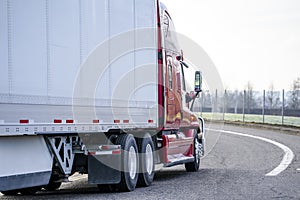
[248,40]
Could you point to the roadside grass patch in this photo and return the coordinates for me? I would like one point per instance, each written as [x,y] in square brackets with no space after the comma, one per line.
[269,119]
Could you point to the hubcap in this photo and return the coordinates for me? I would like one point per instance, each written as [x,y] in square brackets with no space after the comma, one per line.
[149,159]
[132,162]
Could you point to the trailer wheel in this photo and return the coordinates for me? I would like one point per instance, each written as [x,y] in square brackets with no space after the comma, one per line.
[29,191]
[129,163]
[53,183]
[194,166]
[146,157]
[52,186]
[10,192]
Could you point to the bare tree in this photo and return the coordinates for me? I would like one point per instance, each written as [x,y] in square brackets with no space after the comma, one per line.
[272,98]
[294,101]
[250,102]
[207,99]
[231,100]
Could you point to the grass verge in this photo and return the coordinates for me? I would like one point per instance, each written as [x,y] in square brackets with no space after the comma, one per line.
[269,119]
[291,124]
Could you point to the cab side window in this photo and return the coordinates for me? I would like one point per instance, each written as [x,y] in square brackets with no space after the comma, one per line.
[170,37]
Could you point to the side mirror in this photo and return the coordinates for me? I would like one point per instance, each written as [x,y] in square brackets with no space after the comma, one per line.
[198,81]
[184,64]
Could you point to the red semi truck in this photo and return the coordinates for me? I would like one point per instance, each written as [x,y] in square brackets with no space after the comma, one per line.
[95,87]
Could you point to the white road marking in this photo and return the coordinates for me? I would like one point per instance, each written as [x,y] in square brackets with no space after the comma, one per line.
[298,169]
[288,153]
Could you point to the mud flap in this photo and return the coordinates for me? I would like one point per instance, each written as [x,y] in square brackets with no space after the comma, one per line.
[104,169]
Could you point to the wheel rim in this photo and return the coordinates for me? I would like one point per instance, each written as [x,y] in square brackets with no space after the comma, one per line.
[132,162]
[149,159]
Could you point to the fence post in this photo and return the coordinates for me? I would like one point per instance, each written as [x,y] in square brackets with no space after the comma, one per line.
[263,106]
[282,110]
[244,96]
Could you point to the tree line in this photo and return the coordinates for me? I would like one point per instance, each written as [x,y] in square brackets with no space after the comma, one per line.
[252,101]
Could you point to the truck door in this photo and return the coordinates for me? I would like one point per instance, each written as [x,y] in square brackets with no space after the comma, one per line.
[170,96]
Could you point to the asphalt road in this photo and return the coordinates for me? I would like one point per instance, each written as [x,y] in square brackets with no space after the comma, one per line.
[234,168]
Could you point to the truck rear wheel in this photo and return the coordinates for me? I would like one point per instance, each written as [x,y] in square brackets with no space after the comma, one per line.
[146,156]
[194,166]
[129,163]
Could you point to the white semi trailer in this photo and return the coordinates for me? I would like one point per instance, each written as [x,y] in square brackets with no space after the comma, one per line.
[92,86]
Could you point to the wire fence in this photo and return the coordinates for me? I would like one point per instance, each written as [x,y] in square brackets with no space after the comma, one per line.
[267,106]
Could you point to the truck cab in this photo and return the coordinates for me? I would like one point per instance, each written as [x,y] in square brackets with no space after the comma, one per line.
[181,125]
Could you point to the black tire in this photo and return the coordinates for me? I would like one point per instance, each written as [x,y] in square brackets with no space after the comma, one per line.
[10,192]
[129,174]
[194,166]
[29,191]
[146,170]
[52,186]
[53,182]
